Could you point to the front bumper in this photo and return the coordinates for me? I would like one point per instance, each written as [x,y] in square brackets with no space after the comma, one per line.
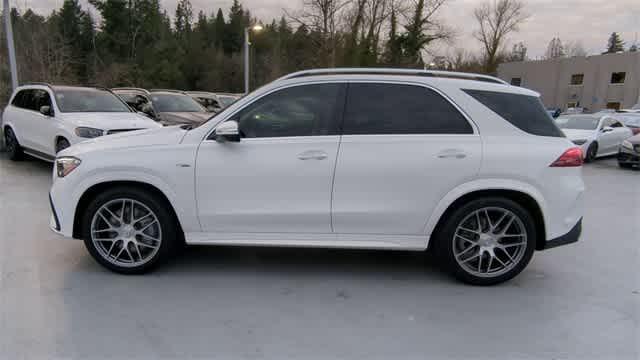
[572,236]
[628,156]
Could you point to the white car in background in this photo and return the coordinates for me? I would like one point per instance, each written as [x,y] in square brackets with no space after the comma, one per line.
[41,119]
[598,134]
[465,165]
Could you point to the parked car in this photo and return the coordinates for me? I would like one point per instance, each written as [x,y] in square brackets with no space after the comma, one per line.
[174,107]
[631,120]
[42,119]
[554,112]
[597,134]
[629,152]
[207,99]
[464,165]
[227,99]
[138,99]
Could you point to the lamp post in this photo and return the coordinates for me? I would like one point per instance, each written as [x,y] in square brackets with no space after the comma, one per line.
[254,28]
[11,49]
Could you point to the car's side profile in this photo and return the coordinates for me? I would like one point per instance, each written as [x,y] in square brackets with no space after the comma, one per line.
[41,119]
[597,134]
[463,165]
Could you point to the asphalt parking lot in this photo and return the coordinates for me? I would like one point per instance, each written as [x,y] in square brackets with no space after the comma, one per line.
[580,301]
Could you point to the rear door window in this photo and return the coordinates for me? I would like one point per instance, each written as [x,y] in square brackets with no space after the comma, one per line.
[524,112]
[379,108]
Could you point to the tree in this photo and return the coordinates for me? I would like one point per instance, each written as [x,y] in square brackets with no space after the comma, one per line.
[421,30]
[615,44]
[183,19]
[518,52]
[633,48]
[555,49]
[575,48]
[497,19]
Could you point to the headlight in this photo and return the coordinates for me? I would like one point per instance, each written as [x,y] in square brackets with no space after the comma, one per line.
[66,164]
[627,144]
[579,142]
[87,132]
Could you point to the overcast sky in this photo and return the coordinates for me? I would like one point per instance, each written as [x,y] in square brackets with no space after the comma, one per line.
[588,21]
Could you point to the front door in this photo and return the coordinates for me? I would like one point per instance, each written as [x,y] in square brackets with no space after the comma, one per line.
[278,177]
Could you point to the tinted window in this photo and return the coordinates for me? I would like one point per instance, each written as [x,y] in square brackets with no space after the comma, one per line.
[616,124]
[579,122]
[522,111]
[175,103]
[296,111]
[40,98]
[400,109]
[18,100]
[88,100]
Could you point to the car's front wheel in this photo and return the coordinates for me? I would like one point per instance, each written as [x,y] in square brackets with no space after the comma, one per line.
[486,241]
[592,152]
[129,230]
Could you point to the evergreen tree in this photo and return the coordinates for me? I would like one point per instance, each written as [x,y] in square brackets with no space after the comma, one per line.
[615,44]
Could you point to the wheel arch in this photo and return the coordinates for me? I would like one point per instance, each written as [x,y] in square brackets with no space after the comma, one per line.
[96,189]
[532,203]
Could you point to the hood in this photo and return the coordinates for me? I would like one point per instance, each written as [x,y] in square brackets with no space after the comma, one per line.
[111,121]
[576,134]
[170,135]
[178,118]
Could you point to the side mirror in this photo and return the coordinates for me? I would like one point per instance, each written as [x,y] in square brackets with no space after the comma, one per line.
[46,110]
[227,131]
[607,129]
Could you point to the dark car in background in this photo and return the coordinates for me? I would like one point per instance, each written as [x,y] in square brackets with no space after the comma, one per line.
[174,107]
[207,99]
[629,152]
[138,99]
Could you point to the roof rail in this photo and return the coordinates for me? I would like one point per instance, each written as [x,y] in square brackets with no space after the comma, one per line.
[391,71]
[131,88]
[168,90]
[36,83]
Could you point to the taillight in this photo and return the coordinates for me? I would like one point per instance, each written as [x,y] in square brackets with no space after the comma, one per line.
[635,130]
[571,157]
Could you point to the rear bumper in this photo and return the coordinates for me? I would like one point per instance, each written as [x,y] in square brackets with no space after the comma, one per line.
[572,236]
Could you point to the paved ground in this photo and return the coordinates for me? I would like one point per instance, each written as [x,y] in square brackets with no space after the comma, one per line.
[580,301]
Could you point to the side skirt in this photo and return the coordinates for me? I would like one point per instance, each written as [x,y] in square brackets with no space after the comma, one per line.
[38,154]
[352,241]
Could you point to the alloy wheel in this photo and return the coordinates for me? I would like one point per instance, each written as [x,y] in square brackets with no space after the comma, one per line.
[490,242]
[126,233]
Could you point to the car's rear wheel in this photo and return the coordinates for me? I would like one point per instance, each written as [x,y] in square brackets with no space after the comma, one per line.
[129,231]
[12,146]
[487,241]
[62,144]
[592,152]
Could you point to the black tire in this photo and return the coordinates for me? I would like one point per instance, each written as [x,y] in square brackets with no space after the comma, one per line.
[592,152]
[167,222]
[12,145]
[62,144]
[446,235]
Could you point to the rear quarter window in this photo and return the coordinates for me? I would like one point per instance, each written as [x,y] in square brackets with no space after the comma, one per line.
[524,112]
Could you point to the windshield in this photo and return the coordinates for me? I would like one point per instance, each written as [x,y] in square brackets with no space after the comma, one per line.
[227,100]
[631,121]
[89,100]
[175,103]
[578,122]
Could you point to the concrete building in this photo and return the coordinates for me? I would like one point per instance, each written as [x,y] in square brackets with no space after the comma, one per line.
[593,82]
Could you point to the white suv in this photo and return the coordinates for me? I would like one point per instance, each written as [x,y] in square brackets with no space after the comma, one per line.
[41,119]
[464,165]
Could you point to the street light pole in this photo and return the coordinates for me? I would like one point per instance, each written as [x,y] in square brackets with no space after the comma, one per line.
[10,46]
[247,43]
[246,60]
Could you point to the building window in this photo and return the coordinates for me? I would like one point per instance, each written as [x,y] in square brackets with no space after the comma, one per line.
[618,77]
[516,81]
[571,105]
[576,79]
[613,105]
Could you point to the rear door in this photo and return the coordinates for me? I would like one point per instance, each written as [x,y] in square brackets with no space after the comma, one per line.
[403,148]
[607,141]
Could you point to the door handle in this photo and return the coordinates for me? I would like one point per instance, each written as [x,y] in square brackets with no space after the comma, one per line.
[313,155]
[452,154]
